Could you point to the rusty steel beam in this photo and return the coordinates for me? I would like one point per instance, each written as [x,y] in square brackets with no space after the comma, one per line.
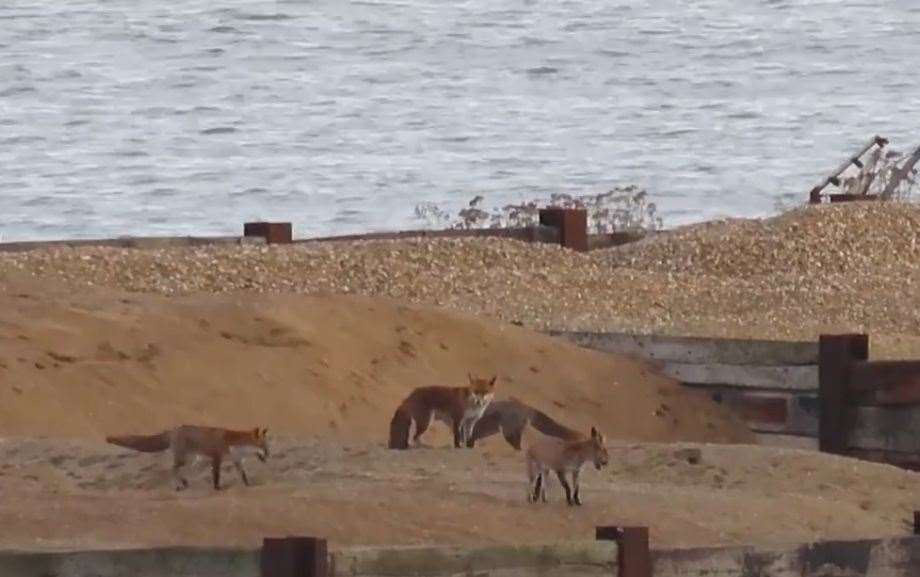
[572,224]
[272,232]
[634,559]
[294,557]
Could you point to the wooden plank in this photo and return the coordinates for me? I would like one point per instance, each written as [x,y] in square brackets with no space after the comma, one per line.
[771,412]
[697,350]
[837,354]
[787,441]
[797,378]
[870,376]
[886,429]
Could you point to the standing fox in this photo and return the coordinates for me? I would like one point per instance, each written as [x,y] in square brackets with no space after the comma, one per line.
[457,407]
[512,416]
[548,453]
[200,441]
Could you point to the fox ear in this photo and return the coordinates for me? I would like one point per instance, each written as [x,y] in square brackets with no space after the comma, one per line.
[264,433]
[492,382]
[594,434]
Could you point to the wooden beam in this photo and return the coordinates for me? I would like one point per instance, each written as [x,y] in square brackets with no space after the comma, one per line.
[871,376]
[886,429]
[789,377]
[836,354]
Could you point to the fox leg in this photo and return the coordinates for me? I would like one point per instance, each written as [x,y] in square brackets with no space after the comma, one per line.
[421,425]
[178,463]
[544,479]
[458,434]
[565,485]
[533,480]
[485,426]
[577,485]
[466,432]
[513,436]
[238,463]
[215,470]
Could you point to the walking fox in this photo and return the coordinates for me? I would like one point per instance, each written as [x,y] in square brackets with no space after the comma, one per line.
[550,454]
[210,442]
[457,407]
[512,416]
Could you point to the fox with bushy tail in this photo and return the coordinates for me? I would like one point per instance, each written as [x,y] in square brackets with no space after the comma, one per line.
[512,416]
[192,440]
[457,407]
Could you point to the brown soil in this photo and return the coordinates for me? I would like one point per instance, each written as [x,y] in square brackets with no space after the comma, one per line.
[324,372]
[85,494]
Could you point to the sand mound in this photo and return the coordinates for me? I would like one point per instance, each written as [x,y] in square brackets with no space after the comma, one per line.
[93,363]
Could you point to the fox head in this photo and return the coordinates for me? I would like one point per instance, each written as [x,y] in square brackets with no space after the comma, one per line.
[260,442]
[481,390]
[599,449]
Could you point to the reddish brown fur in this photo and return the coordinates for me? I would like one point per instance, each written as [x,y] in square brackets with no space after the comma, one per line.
[449,403]
[212,442]
[552,454]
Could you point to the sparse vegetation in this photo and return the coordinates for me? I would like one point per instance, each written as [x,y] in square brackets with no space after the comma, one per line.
[623,209]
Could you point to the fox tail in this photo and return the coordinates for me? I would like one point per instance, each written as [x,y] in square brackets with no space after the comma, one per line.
[549,426]
[399,429]
[143,443]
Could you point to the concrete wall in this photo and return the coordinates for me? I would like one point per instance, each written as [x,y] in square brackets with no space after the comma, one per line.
[898,557]
[772,385]
[556,560]
[895,557]
[164,562]
[553,560]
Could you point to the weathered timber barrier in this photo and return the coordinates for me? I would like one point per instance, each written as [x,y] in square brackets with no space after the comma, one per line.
[869,409]
[772,385]
[616,551]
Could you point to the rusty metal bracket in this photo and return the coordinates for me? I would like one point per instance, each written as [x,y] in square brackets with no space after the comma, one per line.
[294,557]
[634,559]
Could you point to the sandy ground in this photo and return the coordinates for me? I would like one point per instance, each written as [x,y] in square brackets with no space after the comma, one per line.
[78,493]
[323,373]
[96,363]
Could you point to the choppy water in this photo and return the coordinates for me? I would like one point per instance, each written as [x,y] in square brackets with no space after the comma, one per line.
[191,116]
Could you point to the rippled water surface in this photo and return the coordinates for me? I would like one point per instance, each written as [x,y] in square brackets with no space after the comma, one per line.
[191,116]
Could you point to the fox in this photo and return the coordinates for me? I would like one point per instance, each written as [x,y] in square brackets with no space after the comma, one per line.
[552,454]
[457,407]
[194,440]
[512,416]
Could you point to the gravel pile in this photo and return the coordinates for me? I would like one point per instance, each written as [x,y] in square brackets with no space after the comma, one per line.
[843,267]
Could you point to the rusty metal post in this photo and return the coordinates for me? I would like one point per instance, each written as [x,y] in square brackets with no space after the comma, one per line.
[916,522]
[835,355]
[272,232]
[294,557]
[572,224]
[634,559]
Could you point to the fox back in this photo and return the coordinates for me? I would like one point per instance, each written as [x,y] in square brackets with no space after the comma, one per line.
[218,441]
[560,455]
[452,405]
